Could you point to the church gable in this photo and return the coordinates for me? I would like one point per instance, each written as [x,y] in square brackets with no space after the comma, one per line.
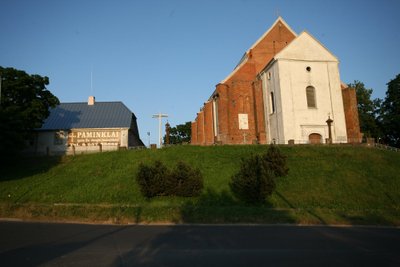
[278,36]
[306,47]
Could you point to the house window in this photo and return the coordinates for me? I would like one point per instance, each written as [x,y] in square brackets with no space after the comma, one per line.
[272,100]
[59,138]
[310,92]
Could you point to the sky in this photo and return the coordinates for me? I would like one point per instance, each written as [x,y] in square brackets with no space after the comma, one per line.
[167,55]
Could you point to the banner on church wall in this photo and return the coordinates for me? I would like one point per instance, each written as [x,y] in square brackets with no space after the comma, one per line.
[243,122]
[93,137]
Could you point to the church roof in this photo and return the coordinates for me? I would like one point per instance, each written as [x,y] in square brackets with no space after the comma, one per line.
[245,57]
[82,115]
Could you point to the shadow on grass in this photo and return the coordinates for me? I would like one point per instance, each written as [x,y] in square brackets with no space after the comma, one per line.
[310,212]
[349,217]
[221,207]
[370,217]
[18,167]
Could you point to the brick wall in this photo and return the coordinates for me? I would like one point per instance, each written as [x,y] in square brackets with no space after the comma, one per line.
[242,92]
[194,133]
[200,128]
[259,118]
[351,115]
[208,123]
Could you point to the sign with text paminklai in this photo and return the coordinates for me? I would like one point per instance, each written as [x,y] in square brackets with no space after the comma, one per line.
[93,137]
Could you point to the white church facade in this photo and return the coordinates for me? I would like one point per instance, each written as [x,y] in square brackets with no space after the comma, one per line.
[302,90]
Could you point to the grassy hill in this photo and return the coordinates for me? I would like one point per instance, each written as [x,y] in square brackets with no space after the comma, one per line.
[325,185]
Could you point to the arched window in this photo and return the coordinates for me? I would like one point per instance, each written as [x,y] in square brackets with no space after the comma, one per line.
[310,92]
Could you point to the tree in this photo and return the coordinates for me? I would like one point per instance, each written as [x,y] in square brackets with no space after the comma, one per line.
[157,180]
[367,110]
[276,161]
[254,182]
[181,133]
[390,113]
[25,104]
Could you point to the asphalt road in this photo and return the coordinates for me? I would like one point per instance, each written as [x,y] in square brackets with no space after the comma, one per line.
[49,244]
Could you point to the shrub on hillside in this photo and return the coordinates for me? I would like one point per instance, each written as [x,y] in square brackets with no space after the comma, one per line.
[254,182]
[188,181]
[276,161]
[153,180]
[158,180]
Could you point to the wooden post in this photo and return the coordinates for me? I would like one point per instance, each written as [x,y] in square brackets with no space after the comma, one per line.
[329,122]
[167,133]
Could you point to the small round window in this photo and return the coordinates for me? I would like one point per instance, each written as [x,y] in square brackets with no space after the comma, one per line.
[308,68]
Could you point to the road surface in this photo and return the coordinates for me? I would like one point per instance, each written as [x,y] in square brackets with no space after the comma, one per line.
[55,244]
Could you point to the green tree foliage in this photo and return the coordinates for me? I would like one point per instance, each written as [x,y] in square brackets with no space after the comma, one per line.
[25,104]
[187,181]
[158,180]
[254,182]
[390,113]
[153,180]
[367,110]
[181,133]
[276,161]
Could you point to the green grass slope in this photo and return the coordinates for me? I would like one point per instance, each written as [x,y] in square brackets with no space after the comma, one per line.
[325,185]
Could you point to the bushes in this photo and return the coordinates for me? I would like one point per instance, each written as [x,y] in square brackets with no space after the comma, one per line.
[276,161]
[187,181]
[253,183]
[153,180]
[255,180]
[158,180]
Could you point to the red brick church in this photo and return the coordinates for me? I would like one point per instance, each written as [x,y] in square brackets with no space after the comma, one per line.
[250,106]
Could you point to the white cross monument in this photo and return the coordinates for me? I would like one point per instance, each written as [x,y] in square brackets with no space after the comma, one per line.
[160,116]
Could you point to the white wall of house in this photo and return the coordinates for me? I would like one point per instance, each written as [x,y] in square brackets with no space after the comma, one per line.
[60,142]
[304,62]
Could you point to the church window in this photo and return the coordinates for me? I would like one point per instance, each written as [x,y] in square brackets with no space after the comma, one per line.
[308,68]
[272,103]
[310,92]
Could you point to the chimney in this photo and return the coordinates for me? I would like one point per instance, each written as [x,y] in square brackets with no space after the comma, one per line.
[91,101]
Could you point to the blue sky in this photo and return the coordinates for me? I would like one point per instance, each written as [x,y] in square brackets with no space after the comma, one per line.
[167,56]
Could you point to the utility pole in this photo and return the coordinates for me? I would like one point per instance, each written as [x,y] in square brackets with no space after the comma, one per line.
[160,116]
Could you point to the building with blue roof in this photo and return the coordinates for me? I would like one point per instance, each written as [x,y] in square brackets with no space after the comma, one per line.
[87,127]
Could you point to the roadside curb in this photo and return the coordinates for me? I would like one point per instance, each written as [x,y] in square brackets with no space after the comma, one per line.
[19,220]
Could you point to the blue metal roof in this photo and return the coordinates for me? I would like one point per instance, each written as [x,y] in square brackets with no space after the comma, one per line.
[82,115]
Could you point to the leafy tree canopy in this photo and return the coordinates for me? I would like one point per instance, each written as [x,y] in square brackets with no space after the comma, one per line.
[181,133]
[25,104]
[367,110]
[390,113]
